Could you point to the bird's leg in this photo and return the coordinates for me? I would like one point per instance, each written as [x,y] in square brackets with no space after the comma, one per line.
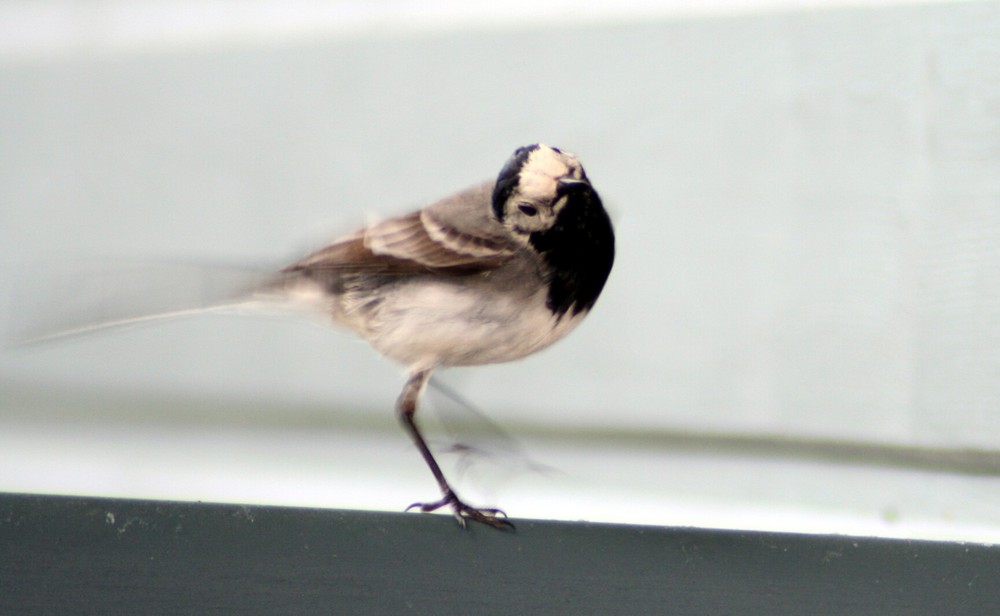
[406,408]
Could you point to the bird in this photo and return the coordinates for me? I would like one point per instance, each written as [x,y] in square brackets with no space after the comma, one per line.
[490,274]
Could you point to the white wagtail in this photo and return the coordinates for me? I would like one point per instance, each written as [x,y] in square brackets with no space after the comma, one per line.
[491,274]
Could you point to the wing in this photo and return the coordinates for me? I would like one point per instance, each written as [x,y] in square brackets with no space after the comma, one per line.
[454,236]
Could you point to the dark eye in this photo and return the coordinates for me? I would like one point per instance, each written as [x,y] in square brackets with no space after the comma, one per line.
[526,209]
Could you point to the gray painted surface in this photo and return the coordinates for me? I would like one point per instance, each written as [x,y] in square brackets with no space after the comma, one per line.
[108,556]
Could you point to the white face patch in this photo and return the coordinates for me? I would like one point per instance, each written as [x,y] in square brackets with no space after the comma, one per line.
[543,170]
[537,188]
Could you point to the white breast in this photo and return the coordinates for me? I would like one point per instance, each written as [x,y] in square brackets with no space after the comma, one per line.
[442,324]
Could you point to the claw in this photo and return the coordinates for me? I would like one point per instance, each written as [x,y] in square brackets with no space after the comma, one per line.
[486,515]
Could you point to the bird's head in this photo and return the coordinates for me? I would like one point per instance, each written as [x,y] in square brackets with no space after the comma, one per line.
[533,187]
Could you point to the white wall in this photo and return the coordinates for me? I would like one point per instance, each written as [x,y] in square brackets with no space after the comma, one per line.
[807,206]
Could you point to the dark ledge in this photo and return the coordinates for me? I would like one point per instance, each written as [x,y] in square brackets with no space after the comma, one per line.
[69,555]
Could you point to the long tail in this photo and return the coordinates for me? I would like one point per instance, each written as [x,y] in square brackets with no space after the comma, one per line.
[50,303]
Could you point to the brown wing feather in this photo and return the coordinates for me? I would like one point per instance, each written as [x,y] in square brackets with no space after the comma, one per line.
[405,245]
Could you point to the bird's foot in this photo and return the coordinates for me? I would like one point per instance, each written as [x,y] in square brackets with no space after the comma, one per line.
[491,517]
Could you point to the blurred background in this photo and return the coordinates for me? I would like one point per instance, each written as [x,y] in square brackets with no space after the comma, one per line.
[801,333]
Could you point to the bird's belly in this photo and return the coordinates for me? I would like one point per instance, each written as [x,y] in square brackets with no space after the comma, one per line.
[429,325]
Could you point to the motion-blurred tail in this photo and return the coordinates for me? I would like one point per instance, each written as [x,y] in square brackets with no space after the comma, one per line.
[49,303]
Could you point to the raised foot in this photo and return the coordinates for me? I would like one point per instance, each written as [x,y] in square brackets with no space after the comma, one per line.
[491,517]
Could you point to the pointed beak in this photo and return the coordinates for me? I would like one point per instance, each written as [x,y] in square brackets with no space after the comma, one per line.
[571,184]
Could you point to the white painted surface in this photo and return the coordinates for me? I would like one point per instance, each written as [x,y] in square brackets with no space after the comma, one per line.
[807,206]
[51,27]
